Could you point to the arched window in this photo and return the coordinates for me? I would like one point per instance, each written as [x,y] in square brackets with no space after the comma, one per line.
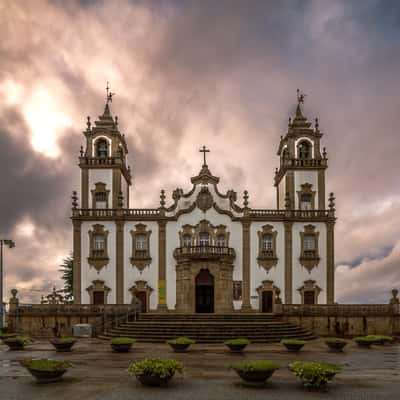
[102,148]
[204,239]
[304,150]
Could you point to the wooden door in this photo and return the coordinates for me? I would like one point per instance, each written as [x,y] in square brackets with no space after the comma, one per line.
[142,297]
[98,297]
[267,301]
[309,297]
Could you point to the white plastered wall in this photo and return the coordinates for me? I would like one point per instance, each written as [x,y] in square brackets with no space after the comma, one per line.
[301,274]
[259,274]
[150,273]
[107,273]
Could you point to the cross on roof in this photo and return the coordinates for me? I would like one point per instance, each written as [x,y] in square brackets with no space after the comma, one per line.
[204,150]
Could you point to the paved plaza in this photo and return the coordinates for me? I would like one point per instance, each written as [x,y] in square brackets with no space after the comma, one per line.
[100,374]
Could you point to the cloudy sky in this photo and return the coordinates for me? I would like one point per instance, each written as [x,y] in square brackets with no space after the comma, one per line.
[188,73]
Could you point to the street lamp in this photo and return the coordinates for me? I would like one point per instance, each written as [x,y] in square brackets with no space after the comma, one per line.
[10,244]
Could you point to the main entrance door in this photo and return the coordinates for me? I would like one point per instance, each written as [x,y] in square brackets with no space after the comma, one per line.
[204,292]
[267,301]
[142,297]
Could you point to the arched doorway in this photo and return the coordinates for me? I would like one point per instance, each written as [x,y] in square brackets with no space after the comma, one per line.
[204,292]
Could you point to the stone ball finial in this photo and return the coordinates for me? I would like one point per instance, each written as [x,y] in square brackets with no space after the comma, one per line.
[14,293]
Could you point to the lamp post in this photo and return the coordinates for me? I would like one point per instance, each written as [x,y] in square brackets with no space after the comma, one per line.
[10,244]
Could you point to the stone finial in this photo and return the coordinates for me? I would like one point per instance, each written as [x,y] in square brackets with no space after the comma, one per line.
[276,170]
[120,199]
[14,293]
[74,198]
[88,123]
[394,299]
[287,201]
[81,151]
[324,154]
[245,199]
[331,202]
[316,124]
[162,198]
[289,123]
[116,121]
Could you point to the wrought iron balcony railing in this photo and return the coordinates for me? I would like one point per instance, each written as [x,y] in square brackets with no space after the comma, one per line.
[204,252]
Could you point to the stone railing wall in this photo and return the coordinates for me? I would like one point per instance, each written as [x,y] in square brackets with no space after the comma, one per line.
[46,320]
[344,319]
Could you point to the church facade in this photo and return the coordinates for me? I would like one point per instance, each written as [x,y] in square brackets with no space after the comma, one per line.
[204,251]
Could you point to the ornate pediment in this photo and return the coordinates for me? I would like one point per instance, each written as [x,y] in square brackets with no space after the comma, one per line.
[204,199]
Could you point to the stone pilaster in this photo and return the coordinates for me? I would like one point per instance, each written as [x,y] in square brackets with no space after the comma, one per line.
[288,263]
[162,266]
[330,263]
[77,254]
[290,188]
[246,305]
[85,188]
[120,262]
[116,186]
[321,189]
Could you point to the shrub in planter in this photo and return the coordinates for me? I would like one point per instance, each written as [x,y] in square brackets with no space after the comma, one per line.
[380,339]
[314,375]
[5,335]
[122,344]
[336,344]
[254,373]
[237,345]
[365,341]
[63,344]
[293,344]
[155,371]
[46,371]
[17,342]
[181,344]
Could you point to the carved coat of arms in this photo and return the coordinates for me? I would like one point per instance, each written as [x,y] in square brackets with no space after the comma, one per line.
[204,199]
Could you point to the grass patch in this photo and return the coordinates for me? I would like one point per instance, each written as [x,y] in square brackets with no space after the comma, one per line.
[314,375]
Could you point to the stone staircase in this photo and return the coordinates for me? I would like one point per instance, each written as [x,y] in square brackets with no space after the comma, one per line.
[208,328]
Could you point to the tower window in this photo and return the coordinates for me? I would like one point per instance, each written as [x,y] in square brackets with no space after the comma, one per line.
[101,199]
[141,242]
[204,239]
[309,245]
[304,150]
[306,201]
[102,148]
[99,245]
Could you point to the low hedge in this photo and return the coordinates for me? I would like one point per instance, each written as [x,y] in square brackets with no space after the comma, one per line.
[24,340]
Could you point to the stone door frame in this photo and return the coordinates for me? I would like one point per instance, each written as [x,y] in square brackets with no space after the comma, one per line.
[186,273]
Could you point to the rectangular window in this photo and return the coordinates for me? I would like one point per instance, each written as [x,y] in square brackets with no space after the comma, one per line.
[101,199]
[221,241]
[267,247]
[305,201]
[204,239]
[141,242]
[309,246]
[187,241]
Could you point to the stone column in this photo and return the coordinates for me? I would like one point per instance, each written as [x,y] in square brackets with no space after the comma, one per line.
[120,262]
[77,254]
[288,262]
[330,262]
[162,266]
[246,305]
[321,189]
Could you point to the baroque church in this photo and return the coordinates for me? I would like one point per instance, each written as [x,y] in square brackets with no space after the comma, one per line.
[204,251]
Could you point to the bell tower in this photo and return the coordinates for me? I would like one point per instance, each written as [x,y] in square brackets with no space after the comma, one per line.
[300,178]
[105,176]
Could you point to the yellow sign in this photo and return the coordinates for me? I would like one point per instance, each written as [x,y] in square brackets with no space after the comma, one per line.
[162,292]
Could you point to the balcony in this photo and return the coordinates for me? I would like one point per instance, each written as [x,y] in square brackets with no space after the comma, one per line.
[205,253]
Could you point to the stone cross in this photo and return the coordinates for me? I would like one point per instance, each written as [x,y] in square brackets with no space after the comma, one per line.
[204,150]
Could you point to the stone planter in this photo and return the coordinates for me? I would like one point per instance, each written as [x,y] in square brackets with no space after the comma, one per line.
[154,380]
[336,346]
[62,346]
[366,345]
[47,376]
[180,347]
[294,347]
[255,378]
[121,347]
[13,344]
[236,348]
